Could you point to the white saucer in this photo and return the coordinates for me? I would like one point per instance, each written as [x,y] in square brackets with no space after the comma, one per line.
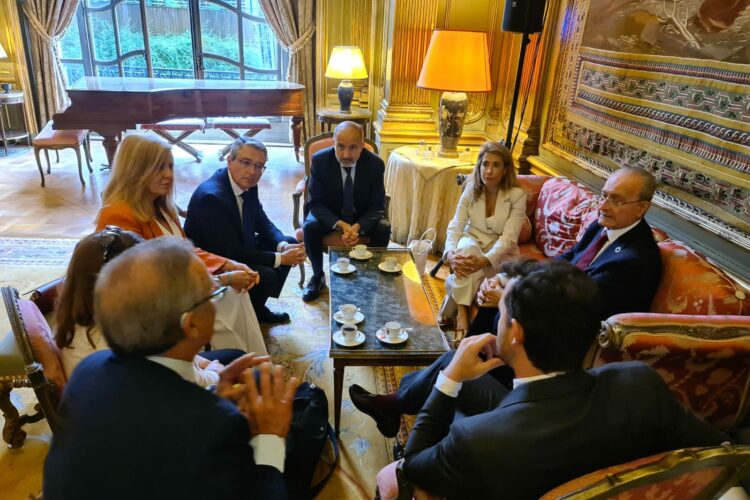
[382,267]
[339,338]
[366,256]
[382,335]
[358,318]
[335,269]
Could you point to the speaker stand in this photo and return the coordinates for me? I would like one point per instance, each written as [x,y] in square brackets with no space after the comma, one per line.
[516,89]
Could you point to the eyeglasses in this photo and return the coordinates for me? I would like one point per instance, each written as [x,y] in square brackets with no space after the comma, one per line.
[614,201]
[214,297]
[251,164]
[107,239]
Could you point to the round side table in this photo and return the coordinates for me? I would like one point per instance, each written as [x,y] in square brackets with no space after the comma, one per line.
[7,132]
[332,116]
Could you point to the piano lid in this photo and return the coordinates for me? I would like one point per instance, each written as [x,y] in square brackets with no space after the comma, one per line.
[127,84]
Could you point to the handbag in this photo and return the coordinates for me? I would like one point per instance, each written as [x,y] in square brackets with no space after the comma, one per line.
[420,249]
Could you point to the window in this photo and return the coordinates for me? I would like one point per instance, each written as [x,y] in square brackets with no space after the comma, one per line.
[205,39]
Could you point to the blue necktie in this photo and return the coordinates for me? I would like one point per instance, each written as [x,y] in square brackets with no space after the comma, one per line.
[248,229]
[347,209]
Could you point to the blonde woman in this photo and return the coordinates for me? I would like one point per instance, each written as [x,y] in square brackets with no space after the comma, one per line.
[484,231]
[140,198]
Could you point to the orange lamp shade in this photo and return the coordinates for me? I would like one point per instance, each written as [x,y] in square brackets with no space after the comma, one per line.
[456,61]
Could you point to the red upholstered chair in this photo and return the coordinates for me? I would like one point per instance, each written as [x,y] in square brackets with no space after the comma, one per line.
[29,357]
[230,125]
[185,127]
[705,360]
[689,473]
[56,140]
[300,196]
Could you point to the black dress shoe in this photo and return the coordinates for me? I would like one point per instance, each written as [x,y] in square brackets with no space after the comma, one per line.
[365,402]
[271,318]
[313,288]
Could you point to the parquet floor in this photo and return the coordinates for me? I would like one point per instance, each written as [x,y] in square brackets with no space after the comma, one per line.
[65,209]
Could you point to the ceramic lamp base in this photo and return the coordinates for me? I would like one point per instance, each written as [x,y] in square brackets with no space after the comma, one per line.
[346,94]
[451,119]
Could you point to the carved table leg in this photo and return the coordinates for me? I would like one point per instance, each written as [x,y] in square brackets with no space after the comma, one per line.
[12,432]
[297,134]
[338,386]
[110,147]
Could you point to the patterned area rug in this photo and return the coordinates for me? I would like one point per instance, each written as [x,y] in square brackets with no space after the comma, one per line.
[301,346]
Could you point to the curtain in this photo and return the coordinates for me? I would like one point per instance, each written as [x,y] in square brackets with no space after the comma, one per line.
[48,20]
[293,24]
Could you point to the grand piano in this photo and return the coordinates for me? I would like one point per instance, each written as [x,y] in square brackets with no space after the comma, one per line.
[111,105]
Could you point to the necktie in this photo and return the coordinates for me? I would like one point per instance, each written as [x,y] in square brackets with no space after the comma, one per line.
[588,255]
[248,229]
[347,208]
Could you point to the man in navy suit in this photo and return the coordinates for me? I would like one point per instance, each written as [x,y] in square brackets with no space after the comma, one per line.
[226,217]
[135,425]
[557,423]
[347,194]
[618,251]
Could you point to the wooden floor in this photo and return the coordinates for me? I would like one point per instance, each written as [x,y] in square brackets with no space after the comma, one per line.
[65,209]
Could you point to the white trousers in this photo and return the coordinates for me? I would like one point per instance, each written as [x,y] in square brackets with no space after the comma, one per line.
[236,326]
[462,290]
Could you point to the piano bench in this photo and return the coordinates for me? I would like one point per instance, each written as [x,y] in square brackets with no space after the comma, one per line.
[230,125]
[49,138]
[186,127]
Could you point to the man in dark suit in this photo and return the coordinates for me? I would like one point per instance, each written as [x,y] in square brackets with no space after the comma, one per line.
[618,251]
[226,217]
[557,423]
[347,194]
[135,425]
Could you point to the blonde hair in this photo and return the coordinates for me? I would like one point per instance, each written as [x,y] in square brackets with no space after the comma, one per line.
[138,159]
[509,179]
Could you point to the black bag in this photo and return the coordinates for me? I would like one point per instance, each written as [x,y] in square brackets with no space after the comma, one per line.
[304,445]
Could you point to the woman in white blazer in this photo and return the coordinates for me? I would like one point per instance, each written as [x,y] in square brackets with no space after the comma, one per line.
[484,231]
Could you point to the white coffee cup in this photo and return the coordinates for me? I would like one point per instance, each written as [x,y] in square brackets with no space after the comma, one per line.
[390,263]
[349,332]
[348,311]
[343,264]
[394,329]
[360,250]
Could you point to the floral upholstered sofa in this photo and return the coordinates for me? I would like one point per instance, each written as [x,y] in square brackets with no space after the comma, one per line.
[697,334]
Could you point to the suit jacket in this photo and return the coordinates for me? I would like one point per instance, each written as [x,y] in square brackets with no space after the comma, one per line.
[627,272]
[214,223]
[549,431]
[499,241]
[326,189]
[121,215]
[135,429]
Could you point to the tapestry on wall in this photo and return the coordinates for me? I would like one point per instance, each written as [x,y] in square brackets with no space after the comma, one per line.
[664,85]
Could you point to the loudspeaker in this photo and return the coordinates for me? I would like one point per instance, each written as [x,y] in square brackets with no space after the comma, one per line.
[523,16]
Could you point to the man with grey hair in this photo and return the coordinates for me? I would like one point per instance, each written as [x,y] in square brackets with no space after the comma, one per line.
[225,217]
[347,195]
[134,423]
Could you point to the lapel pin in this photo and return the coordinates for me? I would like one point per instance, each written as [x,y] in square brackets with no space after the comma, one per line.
[617,249]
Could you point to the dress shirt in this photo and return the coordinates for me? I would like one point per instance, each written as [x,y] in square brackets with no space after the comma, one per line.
[238,192]
[268,449]
[612,235]
[525,380]
[447,386]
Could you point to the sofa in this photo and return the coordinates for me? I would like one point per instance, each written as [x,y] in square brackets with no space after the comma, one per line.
[697,333]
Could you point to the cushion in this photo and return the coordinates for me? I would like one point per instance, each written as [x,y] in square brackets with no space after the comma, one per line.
[707,368]
[241,122]
[562,210]
[533,185]
[525,235]
[50,137]
[177,124]
[692,285]
[42,343]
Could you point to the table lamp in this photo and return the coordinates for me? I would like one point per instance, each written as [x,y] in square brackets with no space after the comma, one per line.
[346,63]
[456,62]
[3,55]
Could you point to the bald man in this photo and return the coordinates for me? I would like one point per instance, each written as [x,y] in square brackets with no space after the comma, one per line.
[347,194]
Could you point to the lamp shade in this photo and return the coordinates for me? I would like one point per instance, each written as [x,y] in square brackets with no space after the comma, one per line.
[3,55]
[456,61]
[346,63]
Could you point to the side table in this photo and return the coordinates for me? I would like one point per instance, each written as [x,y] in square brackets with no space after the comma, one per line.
[423,193]
[332,116]
[7,132]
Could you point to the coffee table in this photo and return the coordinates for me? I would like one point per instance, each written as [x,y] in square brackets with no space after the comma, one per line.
[382,297]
